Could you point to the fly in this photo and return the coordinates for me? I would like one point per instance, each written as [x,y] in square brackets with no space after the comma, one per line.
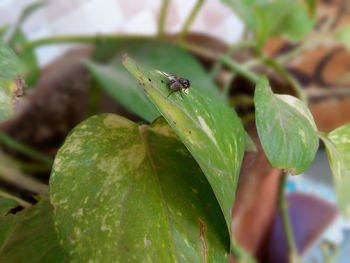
[176,83]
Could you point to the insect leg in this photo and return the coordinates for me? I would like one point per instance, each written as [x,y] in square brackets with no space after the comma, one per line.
[171,92]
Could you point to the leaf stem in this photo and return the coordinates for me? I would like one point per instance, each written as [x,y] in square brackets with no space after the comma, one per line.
[26,167]
[162,17]
[283,207]
[277,67]
[24,149]
[93,39]
[227,85]
[190,19]
[207,53]
[236,67]
[217,66]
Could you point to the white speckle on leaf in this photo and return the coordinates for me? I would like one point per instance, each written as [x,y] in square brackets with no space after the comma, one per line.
[147,242]
[207,130]
[302,135]
[113,121]
[77,231]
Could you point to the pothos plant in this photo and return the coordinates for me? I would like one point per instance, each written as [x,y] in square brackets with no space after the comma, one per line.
[162,190]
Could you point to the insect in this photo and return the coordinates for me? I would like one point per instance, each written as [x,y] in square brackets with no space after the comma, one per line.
[176,83]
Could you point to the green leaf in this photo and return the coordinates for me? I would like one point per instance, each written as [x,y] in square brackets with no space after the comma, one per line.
[132,193]
[123,87]
[266,19]
[208,127]
[310,7]
[244,9]
[338,149]
[28,58]
[286,129]
[288,18]
[261,27]
[343,35]
[29,235]
[6,205]
[10,66]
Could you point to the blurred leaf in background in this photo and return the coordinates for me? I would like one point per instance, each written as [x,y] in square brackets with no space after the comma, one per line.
[10,83]
[107,68]
[16,38]
[28,58]
[337,143]
[289,18]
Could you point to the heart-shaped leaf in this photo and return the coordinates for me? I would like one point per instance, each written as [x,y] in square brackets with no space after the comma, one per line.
[338,149]
[286,129]
[132,193]
[29,235]
[211,131]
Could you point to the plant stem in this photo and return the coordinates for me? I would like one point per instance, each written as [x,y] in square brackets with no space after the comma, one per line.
[23,203]
[236,67]
[24,149]
[190,19]
[273,64]
[162,17]
[207,53]
[227,85]
[113,38]
[26,167]
[93,39]
[217,66]
[283,207]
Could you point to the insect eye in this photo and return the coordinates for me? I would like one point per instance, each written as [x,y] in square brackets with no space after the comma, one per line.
[185,82]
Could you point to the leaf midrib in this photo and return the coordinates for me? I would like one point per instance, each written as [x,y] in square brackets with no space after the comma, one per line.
[143,134]
[276,102]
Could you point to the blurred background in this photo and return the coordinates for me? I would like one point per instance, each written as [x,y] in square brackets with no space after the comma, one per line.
[322,69]
[117,16]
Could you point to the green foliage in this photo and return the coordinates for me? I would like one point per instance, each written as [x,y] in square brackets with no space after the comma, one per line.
[17,38]
[28,58]
[338,148]
[115,79]
[310,6]
[210,130]
[289,18]
[127,192]
[10,66]
[29,235]
[286,129]
[132,193]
